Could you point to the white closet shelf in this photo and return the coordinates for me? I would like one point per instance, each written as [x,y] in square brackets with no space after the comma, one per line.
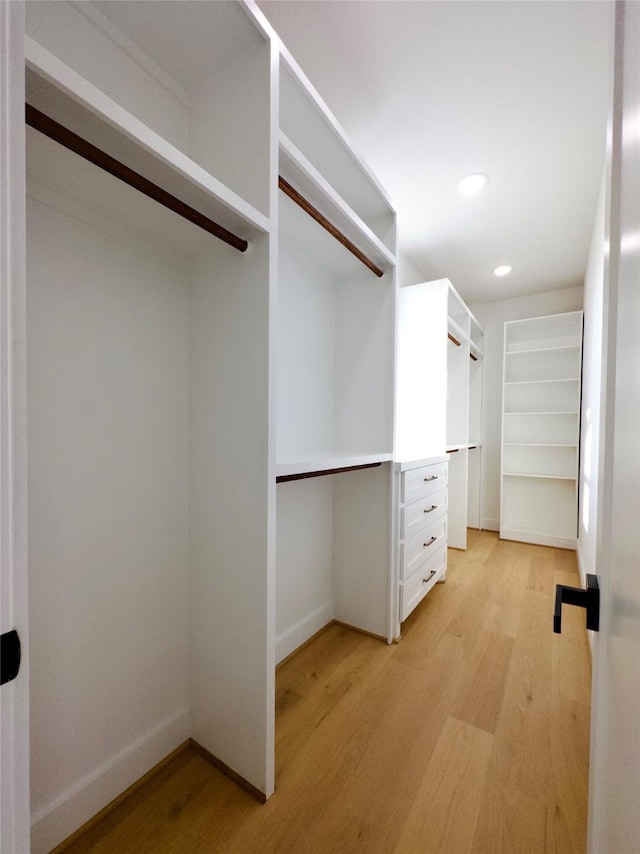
[528,414]
[63,95]
[528,350]
[329,462]
[475,350]
[456,332]
[545,476]
[544,382]
[538,445]
[298,171]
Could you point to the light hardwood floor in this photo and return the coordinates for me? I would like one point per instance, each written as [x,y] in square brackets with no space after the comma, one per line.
[470,735]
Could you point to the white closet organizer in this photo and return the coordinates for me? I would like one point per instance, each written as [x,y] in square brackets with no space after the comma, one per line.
[439,394]
[540,430]
[336,317]
[173,376]
[151,452]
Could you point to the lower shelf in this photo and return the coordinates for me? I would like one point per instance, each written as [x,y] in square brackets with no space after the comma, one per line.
[539,510]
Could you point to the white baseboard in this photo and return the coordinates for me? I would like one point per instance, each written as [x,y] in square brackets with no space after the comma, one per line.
[72,808]
[490,524]
[296,635]
[538,539]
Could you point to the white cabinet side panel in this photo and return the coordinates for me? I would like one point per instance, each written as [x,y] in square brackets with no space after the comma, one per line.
[230,689]
[362,548]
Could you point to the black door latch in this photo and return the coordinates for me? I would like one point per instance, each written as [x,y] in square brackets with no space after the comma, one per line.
[9,656]
[589,599]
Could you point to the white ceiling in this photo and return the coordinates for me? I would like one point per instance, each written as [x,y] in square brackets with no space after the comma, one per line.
[431,91]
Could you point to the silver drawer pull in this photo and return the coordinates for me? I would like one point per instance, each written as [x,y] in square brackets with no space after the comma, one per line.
[433,477]
[431,574]
[430,543]
[433,507]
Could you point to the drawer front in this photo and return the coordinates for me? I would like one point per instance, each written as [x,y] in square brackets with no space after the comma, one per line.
[415,588]
[419,549]
[418,483]
[414,517]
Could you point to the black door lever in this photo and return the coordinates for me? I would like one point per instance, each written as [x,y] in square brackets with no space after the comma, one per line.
[589,599]
[10,654]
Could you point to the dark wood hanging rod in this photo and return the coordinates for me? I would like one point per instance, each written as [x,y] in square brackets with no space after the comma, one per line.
[283,478]
[452,450]
[451,338]
[49,127]
[471,356]
[314,213]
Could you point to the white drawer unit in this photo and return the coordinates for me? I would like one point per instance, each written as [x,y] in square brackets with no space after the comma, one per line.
[421,530]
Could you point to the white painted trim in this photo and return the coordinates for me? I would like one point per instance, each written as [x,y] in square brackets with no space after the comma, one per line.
[538,539]
[490,524]
[54,822]
[296,635]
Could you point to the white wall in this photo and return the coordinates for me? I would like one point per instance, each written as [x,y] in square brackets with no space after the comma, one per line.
[492,317]
[407,273]
[591,370]
[107,462]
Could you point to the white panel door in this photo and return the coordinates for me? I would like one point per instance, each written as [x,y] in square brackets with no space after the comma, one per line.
[614,809]
[14,695]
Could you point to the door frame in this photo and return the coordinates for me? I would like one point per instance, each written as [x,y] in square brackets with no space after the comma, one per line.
[14,696]
[614,773]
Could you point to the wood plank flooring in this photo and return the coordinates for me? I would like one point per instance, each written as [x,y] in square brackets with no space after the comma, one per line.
[470,735]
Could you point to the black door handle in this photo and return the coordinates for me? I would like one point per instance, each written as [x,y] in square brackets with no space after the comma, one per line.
[589,599]
[10,654]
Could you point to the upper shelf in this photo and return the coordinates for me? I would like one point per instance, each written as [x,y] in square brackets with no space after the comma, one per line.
[158,90]
[310,128]
[306,180]
[553,332]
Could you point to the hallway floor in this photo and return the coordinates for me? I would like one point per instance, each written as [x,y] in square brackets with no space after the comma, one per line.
[470,735]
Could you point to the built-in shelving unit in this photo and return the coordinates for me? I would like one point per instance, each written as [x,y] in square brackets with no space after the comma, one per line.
[439,394]
[211,345]
[541,429]
[336,320]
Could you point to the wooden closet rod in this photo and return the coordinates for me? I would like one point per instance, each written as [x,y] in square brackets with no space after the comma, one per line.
[283,478]
[314,213]
[35,119]
[451,338]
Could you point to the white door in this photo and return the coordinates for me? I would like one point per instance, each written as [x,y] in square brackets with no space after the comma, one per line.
[14,695]
[614,808]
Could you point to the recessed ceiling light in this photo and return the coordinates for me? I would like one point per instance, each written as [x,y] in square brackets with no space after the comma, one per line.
[472,184]
[503,270]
